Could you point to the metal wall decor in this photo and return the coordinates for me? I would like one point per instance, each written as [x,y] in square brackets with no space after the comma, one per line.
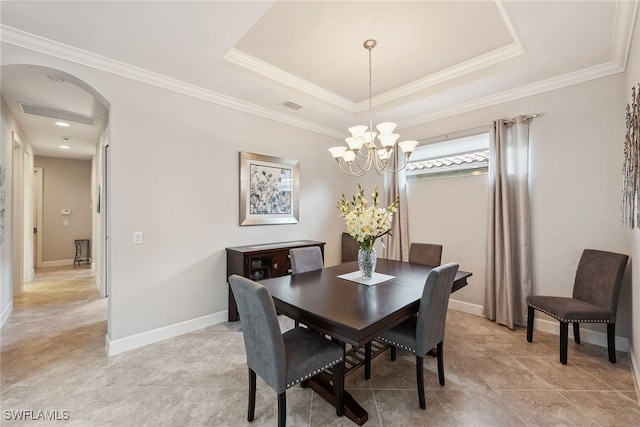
[631,168]
[269,189]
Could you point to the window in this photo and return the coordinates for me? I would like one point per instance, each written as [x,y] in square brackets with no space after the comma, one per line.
[468,155]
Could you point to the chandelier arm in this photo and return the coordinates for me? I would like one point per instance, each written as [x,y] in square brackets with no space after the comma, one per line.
[406,162]
[348,172]
[357,172]
[367,165]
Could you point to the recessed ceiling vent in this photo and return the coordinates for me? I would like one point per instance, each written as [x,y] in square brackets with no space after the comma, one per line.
[54,113]
[292,105]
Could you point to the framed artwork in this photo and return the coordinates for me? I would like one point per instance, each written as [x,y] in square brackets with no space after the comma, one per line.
[268,190]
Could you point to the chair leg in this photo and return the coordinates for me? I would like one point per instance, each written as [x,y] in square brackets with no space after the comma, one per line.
[338,387]
[282,409]
[367,361]
[564,335]
[440,356]
[252,395]
[420,379]
[576,332]
[393,353]
[530,315]
[611,341]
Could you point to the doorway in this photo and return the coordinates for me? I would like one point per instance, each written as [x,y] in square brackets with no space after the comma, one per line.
[17,214]
[38,181]
[45,86]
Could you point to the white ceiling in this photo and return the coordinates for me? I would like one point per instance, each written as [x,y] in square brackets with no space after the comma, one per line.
[433,59]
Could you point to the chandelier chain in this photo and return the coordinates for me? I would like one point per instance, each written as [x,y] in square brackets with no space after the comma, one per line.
[370,95]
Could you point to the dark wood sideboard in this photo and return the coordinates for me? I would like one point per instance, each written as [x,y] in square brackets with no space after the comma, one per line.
[261,261]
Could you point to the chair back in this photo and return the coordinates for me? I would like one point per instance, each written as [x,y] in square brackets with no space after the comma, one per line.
[598,279]
[432,313]
[261,331]
[425,254]
[306,259]
[349,248]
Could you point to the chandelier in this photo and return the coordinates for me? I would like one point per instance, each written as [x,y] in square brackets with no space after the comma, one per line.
[362,152]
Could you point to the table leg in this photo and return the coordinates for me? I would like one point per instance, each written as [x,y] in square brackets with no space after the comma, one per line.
[321,384]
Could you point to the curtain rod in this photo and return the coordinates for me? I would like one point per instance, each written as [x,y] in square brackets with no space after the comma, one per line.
[471,131]
[525,118]
[457,134]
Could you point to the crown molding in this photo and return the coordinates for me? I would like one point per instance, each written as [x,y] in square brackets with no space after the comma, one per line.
[458,70]
[65,52]
[253,64]
[565,80]
[626,13]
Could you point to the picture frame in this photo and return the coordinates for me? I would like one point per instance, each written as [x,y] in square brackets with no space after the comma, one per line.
[269,189]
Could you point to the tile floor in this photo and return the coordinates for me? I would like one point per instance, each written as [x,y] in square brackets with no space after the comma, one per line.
[53,359]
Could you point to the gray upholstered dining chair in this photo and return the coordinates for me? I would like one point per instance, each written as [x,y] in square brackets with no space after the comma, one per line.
[306,259]
[281,360]
[425,254]
[595,299]
[422,332]
[349,248]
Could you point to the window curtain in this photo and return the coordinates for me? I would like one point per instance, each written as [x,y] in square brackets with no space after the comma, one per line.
[508,256]
[396,244]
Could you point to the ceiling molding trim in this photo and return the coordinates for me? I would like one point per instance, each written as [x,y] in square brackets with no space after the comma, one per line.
[560,82]
[474,64]
[507,21]
[65,52]
[626,13]
[491,58]
[253,64]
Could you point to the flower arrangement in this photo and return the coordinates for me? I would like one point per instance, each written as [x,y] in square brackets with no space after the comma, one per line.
[366,223]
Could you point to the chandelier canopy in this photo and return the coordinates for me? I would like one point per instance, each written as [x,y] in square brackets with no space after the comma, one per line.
[362,152]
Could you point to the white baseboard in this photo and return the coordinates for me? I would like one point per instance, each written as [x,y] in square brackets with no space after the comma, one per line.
[122,345]
[466,307]
[98,283]
[550,326]
[58,263]
[586,335]
[6,313]
[635,371]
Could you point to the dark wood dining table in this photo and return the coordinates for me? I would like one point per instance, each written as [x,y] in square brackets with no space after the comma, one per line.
[350,312]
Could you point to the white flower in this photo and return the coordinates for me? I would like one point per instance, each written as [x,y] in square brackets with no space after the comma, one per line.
[366,223]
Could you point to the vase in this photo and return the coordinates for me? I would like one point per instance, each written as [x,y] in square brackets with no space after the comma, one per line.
[367,262]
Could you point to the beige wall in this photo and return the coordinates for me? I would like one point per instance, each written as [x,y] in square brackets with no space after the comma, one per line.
[632,78]
[576,154]
[67,185]
[7,128]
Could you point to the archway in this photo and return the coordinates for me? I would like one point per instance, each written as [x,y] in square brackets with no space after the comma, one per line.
[34,96]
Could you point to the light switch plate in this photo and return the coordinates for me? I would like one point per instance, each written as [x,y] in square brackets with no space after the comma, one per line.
[138,237]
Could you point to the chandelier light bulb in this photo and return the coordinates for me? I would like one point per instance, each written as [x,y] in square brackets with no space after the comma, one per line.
[349,156]
[355,142]
[407,147]
[337,152]
[386,128]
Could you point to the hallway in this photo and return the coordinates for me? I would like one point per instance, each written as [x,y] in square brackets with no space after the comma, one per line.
[59,312]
